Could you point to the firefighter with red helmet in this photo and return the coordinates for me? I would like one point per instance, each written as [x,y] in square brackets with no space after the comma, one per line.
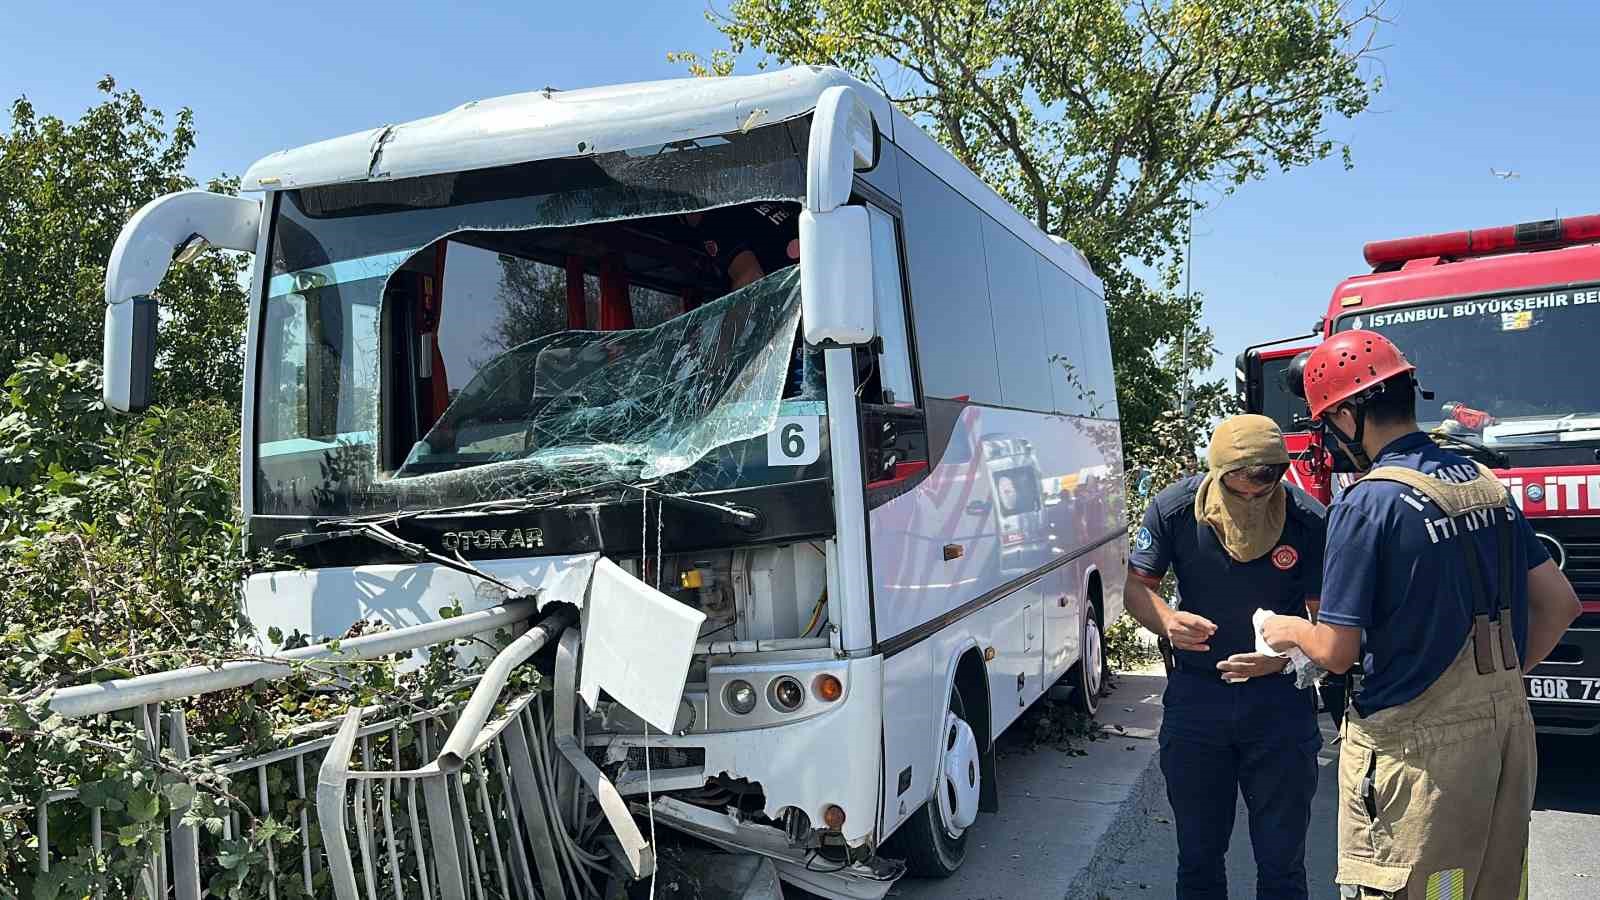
[1434,579]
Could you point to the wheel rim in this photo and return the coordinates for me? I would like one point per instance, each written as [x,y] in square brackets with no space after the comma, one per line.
[1094,665]
[958,776]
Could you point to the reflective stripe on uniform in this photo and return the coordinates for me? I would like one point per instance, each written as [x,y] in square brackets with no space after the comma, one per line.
[1450,884]
[1523,894]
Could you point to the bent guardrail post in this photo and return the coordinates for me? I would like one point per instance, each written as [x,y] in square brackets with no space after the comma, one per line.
[332,784]
[639,854]
[469,725]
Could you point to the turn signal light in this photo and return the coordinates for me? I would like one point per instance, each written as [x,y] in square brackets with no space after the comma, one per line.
[833,816]
[828,687]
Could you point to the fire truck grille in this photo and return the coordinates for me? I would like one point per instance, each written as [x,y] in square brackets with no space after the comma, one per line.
[1579,542]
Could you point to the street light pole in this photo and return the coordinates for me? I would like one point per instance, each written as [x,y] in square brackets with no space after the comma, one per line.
[1188,308]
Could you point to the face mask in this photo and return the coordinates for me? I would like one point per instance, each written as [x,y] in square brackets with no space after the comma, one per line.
[1247,527]
[1350,447]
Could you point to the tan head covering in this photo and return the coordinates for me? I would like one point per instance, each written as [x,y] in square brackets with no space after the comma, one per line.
[1248,528]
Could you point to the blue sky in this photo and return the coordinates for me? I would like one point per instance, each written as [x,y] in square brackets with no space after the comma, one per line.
[1469,85]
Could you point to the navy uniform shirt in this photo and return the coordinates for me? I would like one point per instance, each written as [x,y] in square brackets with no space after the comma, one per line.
[1217,587]
[1395,570]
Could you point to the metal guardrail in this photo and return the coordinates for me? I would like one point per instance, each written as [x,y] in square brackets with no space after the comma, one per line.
[487,800]
[278,778]
[193,681]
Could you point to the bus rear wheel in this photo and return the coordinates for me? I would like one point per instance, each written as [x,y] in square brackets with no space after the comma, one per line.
[933,841]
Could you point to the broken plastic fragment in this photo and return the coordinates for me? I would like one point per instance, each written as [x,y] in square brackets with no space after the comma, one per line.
[637,645]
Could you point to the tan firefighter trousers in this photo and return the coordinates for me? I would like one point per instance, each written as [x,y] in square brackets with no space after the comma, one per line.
[1435,794]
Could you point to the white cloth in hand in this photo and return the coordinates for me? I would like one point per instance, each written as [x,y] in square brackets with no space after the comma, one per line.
[1302,665]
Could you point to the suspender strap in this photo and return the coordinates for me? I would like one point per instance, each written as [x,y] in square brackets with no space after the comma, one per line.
[1508,640]
[1482,650]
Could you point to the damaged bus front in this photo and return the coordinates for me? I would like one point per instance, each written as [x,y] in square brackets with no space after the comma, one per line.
[639,351]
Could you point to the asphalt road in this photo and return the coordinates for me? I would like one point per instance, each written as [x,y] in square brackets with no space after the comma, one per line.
[1564,851]
[1565,848]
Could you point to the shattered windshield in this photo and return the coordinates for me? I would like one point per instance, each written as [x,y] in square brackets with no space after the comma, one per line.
[589,406]
[1500,367]
[627,317]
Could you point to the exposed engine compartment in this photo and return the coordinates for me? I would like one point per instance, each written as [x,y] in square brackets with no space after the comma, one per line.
[749,595]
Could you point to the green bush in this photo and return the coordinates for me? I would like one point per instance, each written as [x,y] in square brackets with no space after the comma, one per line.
[121,554]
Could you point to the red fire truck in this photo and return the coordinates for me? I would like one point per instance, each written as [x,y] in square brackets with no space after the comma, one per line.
[1503,325]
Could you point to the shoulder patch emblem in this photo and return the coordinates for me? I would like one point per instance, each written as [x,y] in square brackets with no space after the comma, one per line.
[1143,539]
[1285,557]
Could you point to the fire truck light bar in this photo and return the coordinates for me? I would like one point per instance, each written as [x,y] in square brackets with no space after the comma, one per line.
[1486,241]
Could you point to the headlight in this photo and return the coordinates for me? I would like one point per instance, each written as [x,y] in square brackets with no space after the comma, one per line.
[739,697]
[786,694]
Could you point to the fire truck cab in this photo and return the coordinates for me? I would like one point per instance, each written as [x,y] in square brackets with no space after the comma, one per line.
[1500,323]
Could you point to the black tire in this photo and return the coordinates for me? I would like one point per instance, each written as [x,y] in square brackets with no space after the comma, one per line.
[928,850]
[1088,676]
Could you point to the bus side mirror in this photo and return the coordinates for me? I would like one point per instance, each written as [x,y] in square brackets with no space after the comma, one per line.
[844,140]
[169,229]
[836,276]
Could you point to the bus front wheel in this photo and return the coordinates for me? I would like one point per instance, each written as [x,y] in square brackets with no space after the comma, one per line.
[933,841]
[1088,677]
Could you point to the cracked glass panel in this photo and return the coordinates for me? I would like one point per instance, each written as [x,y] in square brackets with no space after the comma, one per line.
[453,339]
[577,408]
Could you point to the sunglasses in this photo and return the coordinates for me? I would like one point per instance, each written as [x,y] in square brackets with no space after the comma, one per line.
[1250,489]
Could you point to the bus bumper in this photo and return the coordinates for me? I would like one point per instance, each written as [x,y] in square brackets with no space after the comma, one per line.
[830,759]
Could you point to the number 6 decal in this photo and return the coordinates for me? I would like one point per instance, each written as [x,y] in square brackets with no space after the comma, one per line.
[795,441]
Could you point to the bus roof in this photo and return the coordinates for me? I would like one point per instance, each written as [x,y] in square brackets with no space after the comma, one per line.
[550,124]
[1435,279]
[553,123]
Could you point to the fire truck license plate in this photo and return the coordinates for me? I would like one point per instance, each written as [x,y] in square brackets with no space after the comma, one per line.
[1562,690]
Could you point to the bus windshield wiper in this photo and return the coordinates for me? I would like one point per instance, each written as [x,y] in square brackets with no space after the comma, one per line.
[378,534]
[1487,455]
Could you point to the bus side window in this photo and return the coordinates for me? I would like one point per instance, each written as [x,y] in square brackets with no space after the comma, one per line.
[893,430]
[893,363]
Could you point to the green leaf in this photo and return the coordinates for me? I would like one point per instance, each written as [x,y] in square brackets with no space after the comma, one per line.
[99,793]
[179,795]
[143,805]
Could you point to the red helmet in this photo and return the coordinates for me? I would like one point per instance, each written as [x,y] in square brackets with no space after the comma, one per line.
[1347,364]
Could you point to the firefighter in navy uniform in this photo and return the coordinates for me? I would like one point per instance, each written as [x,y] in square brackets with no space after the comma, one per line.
[1435,579]
[1239,539]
